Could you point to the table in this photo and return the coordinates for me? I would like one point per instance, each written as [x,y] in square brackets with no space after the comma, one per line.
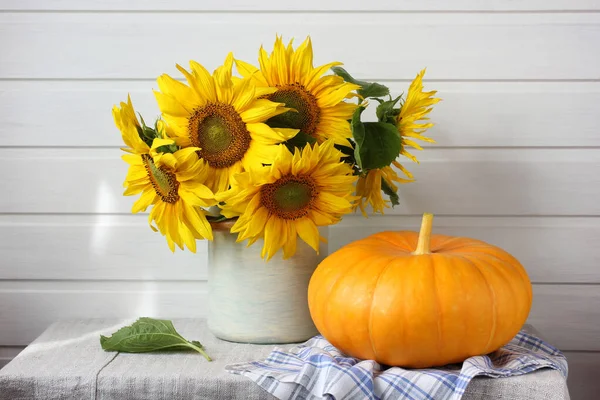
[67,362]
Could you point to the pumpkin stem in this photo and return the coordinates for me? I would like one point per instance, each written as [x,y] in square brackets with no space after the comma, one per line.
[424,243]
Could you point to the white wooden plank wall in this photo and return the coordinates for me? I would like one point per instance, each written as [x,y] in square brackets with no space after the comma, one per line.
[517,161]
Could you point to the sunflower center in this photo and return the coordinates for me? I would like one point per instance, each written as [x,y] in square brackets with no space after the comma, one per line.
[220,133]
[306,116]
[290,197]
[164,182]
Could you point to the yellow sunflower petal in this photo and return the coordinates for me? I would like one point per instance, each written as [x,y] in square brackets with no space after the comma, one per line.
[244,94]
[161,142]
[245,69]
[302,60]
[341,110]
[188,238]
[401,168]
[307,230]
[127,122]
[146,199]
[206,83]
[322,219]
[409,156]
[195,85]
[337,95]
[223,82]
[415,110]
[274,237]
[251,72]
[333,204]
[256,225]
[413,144]
[169,105]
[289,246]
[183,97]
[133,190]
[265,67]
[280,63]
[325,83]
[311,80]
[198,221]
[261,110]
[263,133]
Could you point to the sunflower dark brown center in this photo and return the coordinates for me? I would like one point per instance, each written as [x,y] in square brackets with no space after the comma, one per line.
[164,181]
[306,116]
[220,133]
[290,197]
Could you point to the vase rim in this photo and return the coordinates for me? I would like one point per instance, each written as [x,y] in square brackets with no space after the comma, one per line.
[223,225]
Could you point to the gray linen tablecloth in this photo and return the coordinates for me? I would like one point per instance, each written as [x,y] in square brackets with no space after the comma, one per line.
[66,362]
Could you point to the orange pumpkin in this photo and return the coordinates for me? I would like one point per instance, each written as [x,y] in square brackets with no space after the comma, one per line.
[416,300]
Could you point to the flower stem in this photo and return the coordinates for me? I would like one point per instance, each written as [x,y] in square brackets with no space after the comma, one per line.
[424,243]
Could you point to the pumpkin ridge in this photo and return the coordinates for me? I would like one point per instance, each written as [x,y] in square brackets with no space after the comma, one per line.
[370,322]
[391,243]
[515,265]
[506,261]
[517,268]
[436,293]
[493,297]
[500,266]
[453,242]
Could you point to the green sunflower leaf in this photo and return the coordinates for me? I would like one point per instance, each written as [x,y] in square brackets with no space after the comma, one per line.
[299,141]
[167,148]
[386,112]
[146,133]
[387,189]
[146,335]
[358,133]
[348,156]
[380,146]
[368,89]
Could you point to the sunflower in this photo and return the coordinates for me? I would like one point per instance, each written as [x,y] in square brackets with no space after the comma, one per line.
[414,110]
[317,101]
[176,189]
[291,197]
[224,118]
[130,127]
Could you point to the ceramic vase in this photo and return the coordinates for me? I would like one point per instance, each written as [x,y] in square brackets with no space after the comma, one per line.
[255,301]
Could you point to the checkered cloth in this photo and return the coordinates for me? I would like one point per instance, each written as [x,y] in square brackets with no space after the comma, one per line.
[317,370]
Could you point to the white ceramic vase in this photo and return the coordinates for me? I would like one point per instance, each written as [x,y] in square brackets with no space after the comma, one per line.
[253,301]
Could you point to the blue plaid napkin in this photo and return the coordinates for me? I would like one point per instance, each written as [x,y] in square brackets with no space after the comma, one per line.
[317,370]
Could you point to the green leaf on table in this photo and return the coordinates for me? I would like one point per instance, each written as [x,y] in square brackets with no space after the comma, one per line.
[367,89]
[380,145]
[148,334]
[387,189]
[299,141]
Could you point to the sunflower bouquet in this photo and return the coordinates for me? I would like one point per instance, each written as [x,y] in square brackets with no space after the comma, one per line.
[282,149]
